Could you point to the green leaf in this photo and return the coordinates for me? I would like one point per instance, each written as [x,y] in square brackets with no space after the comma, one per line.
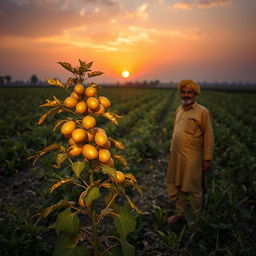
[66,247]
[190,217]
[124,222]
[136,186]
[77,167]
[93,194]
[107,199]
[114,252]
[128,249]
[53,207]
[60,158]
[67,66]
[106,169]
[68,222]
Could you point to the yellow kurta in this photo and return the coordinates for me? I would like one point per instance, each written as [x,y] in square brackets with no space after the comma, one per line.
[192,142]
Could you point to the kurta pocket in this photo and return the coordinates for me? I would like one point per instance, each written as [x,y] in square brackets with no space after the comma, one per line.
[190,126]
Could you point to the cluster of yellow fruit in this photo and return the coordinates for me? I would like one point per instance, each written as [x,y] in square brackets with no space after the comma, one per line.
[84,137]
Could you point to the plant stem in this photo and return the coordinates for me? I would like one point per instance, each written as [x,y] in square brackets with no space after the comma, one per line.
[94,231]
[94,219]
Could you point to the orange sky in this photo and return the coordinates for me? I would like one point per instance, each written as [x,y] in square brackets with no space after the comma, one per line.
[206,40]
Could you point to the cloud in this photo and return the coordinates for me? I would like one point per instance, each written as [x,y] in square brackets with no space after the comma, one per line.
[212,3]
[48,17]
[139,13]
[121,40]
[183,5]
[199,4]
[99,25]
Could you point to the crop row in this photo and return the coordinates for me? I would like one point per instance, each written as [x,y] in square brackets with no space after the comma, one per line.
[232,119]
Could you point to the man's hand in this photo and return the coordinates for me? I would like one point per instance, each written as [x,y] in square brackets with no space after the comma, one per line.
[206,165]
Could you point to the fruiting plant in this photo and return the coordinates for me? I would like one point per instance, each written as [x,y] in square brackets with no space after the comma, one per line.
[88,150]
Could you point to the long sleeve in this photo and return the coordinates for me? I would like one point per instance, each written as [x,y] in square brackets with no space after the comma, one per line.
[173,124]
[208,136]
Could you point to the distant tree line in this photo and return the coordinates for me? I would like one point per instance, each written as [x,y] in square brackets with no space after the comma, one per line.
[219,86]
[6,80]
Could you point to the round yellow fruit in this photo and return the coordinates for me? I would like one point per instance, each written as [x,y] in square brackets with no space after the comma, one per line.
[90,152]
[98,129]
[90,91]
[79,89]
[68,127]
[104,101]
[92,103]
[75,150]
[71,142]
[75,96]
[79,135]
[81,107]
[119,176]
[100,139]
[70,102]
[88,122]
[104,155]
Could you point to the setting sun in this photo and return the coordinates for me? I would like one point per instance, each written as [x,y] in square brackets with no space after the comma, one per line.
[125,74]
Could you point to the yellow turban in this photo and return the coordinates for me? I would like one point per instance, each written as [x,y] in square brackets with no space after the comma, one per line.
[190,84]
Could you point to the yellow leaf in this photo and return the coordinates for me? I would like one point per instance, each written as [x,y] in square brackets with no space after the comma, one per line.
[117,143]
[70,81]
[133,206]
[110,117]
[50,103]
[42,118]
[45,150]
[115,115]
[93,85]
[59,123]
[122,160]
[51,147]
[59,183]
[57,100]
[131,177]
[95,73]
[52,111]
[55,82]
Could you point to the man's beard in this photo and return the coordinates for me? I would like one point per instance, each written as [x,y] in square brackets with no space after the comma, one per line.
[187,101]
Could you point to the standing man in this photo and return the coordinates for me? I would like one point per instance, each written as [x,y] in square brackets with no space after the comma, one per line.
[191,151]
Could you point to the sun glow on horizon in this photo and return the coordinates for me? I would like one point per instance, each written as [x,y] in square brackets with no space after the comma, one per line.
[125,74]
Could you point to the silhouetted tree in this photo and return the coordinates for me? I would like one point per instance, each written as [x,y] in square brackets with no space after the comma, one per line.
[33,80]
[1,80]
[8,79]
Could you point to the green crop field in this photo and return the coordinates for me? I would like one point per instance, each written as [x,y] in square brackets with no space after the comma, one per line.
[226,225]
